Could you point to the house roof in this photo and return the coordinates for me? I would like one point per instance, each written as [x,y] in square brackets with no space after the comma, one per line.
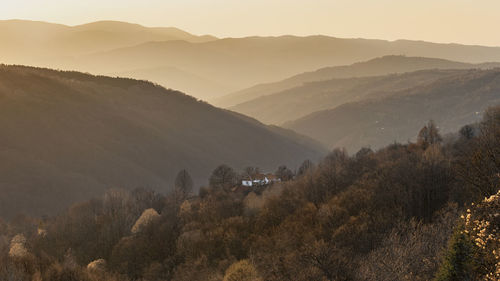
[271,177]
[259,177]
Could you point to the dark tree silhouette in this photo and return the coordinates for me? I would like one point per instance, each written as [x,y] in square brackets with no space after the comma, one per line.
[184,182]
[223,177]
[429,135]
[306,166]
[284,173]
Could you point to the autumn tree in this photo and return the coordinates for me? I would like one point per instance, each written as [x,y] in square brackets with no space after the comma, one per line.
[242,271]
[429,135]
[479,160]
[251,171]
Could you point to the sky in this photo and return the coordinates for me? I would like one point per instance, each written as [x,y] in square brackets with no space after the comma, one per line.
[445,21]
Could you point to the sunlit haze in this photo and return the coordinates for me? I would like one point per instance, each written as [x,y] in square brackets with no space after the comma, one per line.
[459,21]
[249,140]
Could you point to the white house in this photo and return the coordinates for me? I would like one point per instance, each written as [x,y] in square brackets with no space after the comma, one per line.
[259,180]
[247,182]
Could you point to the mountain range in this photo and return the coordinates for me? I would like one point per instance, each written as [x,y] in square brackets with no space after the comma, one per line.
[455,99]
[375,67]
[31,41]
[184,61]
[378,77]
[238,63]
[69,136]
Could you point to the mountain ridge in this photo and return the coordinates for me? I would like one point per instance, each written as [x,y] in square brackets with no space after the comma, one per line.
[77,135]
[374,67]
[232,63]
[42,41]
[451,101]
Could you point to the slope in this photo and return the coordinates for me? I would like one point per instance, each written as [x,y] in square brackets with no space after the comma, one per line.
[239,63]
[175,78]
[68,135]
[375,67]
[314,96]
[451,102]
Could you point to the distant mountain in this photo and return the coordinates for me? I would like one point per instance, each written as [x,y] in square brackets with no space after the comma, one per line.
[300,101]
[451,101]
[231,63]
[238,63]
[32,42]
[68,136]
[375,67]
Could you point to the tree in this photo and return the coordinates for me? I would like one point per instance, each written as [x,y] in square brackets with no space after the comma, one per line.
[429,135]
[331,176]
[328,259]
[363,152]
[251,171]
[223,177]
[284,173]
[482,225]
[183,184]
[479,161]
[306,166]
[458,261]
[467,132]
[410,252]
[242,271]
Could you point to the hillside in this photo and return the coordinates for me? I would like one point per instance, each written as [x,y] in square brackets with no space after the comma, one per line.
[375,67]
[450,101]
[232,64]
[238,63]
[300,101]
[376,215]
[175,78]
[68,136]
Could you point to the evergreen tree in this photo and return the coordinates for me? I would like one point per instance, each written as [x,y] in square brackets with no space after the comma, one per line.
[458,263]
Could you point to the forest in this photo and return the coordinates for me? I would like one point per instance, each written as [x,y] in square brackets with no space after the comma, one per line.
[427,210]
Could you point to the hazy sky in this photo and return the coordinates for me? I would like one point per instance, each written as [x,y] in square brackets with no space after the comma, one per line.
[462,21]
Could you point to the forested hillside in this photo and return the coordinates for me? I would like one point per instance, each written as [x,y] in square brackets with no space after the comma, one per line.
[374,67]
[384,215]
[387,116]
[311,97]
[67,136]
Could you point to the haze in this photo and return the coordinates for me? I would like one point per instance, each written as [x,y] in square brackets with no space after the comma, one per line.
[459,21]
[249,140]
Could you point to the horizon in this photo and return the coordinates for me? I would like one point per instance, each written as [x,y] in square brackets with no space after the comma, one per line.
[458,22]
[250,36]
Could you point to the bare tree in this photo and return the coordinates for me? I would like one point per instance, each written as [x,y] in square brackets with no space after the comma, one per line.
[183,183]
[306,166]
[223,177]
